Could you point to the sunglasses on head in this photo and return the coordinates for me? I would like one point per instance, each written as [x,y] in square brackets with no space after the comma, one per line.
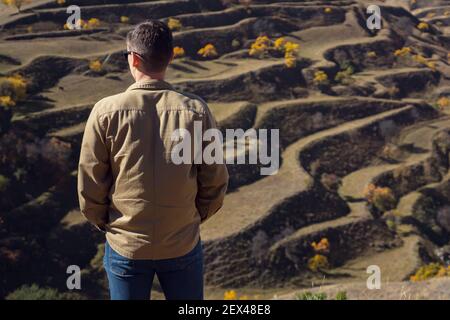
[126,53]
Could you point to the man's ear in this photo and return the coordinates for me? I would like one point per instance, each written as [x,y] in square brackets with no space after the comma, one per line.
[135,61]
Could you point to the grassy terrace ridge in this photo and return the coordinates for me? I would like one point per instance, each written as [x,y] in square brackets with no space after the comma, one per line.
[356,109]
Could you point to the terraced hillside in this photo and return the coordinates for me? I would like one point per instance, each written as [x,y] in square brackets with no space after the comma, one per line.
[358,109]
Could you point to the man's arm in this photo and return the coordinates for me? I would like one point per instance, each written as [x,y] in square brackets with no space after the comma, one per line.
[94,174]
[212,180]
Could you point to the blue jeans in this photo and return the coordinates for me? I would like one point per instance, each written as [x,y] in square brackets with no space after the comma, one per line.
[180,278]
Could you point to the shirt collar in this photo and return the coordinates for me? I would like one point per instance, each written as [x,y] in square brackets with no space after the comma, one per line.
[151,84]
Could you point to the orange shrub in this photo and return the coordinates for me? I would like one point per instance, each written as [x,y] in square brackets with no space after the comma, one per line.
[443,103]
[208,51]
[178,52]
[318,262]
[382,198]
[429,271]
[322,246]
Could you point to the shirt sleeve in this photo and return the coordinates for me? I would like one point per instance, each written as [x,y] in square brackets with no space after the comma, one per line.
[94,173]
[212,180]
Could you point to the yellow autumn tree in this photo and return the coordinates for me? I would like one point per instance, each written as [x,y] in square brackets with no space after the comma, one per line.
[12,89]
[279,43]
[230,295]
[96,66]
[92,23]
[320,77]
[264,45]
[7,101]
[174,24]
[426,62]
[423,26]
[291,53]
[260,46]
[402,52]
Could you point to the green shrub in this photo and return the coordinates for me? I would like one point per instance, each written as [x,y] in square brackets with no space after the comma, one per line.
[34,292]
[345,76]
[341,295]
[312,296]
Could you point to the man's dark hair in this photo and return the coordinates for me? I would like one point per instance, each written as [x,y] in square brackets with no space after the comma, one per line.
[153,41]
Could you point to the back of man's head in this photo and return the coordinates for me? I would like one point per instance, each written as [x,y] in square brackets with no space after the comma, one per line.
[153,41]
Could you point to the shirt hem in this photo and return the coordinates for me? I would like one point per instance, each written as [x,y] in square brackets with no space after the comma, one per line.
[133,256]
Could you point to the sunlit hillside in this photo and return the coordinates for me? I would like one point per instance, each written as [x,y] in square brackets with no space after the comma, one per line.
[364,120]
